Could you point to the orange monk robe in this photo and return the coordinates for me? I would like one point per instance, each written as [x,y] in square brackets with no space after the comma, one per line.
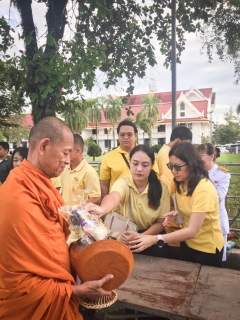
[35,279]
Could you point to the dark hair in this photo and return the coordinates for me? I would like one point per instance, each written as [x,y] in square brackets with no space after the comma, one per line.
[5,145]
[182,133]
[126,123]
[186,152]
[23,151]
[78,140]
[209,149]
[155,187]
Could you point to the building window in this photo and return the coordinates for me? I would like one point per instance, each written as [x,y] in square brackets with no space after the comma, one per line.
[161,128]
[107,144]
[147,141]
[189,125]
[94,131]
[182,114]
[161,141]
[106,131]
[182,106]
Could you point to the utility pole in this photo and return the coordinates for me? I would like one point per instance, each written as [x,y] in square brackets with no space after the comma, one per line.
[173,54]
[210,112]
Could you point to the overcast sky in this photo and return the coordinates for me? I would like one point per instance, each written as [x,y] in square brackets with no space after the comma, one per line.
[193,70]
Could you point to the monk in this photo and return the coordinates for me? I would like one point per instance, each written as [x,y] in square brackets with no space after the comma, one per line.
[35,278]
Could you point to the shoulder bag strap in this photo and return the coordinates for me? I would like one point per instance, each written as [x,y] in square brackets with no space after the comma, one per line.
[125,159]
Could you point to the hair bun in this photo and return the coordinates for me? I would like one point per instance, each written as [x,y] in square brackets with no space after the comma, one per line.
[218,152]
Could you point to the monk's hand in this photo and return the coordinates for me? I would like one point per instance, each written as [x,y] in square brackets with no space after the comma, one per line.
[168,217]
[127,236]
[92,289]
[94,208]
[142,242]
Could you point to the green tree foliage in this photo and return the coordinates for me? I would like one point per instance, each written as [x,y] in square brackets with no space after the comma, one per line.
[150,111]
[111,36]
[229,132]
[156,148]
[95,113]
[10,101]
[113,113]
[15,129]
[76,115]
[88,141]
[143,123]
[94,150]
[221,34]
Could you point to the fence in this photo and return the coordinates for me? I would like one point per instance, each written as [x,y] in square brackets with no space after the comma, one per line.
[236,218]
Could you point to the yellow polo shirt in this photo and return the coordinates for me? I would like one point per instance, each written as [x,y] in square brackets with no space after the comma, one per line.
[143,216]
[76,181]
[56,182]
[162,159]
[203,199]
[114,167]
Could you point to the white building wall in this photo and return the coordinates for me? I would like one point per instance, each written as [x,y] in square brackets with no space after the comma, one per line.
[197,133]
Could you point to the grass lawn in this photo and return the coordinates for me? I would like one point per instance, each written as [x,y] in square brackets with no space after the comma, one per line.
[89,159]
[229,158]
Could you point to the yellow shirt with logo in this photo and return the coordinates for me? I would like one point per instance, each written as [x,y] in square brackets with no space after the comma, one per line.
[114,167]
[143,216]
[204,199]
[81,182]
[162,159]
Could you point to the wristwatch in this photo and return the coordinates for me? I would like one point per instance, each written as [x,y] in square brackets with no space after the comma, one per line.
[160,241]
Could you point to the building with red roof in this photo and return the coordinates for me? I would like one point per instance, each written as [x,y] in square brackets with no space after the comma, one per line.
[194,109]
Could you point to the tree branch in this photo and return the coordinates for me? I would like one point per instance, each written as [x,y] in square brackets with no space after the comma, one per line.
[56,20]
[25,9]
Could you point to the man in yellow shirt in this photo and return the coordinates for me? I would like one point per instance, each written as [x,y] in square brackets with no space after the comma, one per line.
[115,164]
[79,180]
[178,134]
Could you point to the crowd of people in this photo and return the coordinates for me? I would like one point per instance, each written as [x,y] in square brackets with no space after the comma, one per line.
[35,275]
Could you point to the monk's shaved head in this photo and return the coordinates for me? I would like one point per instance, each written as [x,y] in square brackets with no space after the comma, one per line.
[51,128]
[78,141]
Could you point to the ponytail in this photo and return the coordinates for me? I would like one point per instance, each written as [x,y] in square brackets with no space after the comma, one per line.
[154,190]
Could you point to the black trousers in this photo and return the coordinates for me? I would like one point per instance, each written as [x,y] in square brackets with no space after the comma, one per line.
[208,259]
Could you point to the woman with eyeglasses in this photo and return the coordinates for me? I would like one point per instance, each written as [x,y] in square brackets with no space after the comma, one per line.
[201,237]
[220,178]
[149,197]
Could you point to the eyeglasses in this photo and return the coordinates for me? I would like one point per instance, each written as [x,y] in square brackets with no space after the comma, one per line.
[128,135]
[177,167]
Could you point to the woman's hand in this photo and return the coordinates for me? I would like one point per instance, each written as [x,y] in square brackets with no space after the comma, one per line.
[91,207]
[128,236]
[141,242]
[92,289]
[170,216]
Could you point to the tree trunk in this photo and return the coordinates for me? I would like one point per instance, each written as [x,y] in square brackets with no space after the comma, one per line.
[113,135]
[150,137]
[25,9]
[97,132]
[43,108]
[56,21]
